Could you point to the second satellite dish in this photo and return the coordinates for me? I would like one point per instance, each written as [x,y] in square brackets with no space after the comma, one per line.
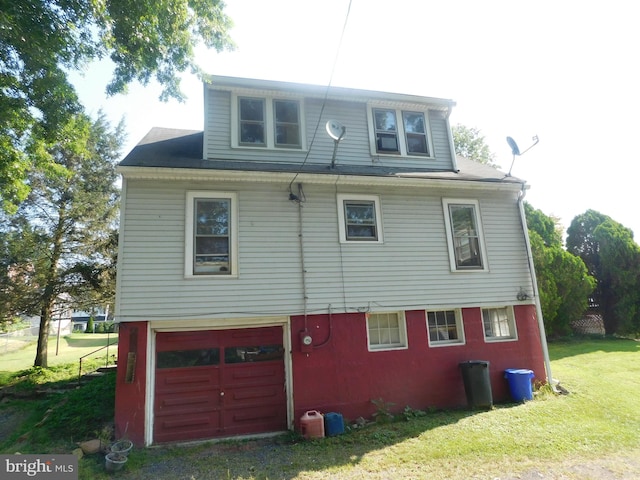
[336,130]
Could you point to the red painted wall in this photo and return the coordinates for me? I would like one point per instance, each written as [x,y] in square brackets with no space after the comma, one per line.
[130,395]
[341,375]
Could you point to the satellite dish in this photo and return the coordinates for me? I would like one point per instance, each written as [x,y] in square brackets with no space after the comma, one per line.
[516,151]
[514,146]
[336,130]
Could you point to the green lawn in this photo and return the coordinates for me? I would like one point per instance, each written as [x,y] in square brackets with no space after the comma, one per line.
[599,419]
[70,348]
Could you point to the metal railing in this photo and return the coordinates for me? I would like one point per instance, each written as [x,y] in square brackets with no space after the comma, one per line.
[106,363]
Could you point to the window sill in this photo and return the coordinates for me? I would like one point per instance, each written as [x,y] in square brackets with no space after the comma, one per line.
[387,349]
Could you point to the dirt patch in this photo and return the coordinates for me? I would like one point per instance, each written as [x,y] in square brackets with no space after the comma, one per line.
[10,420]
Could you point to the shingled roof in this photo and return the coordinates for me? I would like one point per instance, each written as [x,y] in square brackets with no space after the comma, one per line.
[177,148]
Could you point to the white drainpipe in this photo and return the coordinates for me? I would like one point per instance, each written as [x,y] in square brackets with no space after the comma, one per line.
[536,293]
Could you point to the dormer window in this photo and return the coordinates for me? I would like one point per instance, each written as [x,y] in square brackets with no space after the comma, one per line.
[400,132]
[252,123]
[267,123]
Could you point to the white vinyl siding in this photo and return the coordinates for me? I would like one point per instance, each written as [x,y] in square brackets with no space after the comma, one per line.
[411,267]
[221,124]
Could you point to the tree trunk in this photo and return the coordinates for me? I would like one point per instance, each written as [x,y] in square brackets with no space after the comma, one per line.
[43,335]
[50,292]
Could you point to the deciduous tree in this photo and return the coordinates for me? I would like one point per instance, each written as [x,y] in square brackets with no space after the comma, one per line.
[469,143]
[42,40]
[67,223]
[563,281]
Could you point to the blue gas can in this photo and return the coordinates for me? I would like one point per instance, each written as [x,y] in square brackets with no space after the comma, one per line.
[333,424]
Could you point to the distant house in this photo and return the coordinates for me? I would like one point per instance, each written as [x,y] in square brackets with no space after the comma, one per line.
[312,249]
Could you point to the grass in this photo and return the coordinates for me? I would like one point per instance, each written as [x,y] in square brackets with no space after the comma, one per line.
[598,418]
[70,349]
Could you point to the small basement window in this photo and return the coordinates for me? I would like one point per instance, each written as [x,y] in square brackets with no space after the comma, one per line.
[445,327]
[499,324]
[386,331]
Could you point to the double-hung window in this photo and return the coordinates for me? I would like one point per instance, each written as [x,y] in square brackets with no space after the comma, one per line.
[445,327]
[359,218]
[386,331]
[400,132]
[211,228]
[499,324]
[267,123]
[464,235]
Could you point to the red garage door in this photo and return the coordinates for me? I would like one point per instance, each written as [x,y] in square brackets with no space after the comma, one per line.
[219,383]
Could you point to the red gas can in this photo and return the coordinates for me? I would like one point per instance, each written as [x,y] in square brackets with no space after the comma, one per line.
[312,424]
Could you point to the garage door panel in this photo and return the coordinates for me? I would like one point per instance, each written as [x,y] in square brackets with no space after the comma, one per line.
[186,427]
[252,336]
[266,418]
[230,383]
[253,374]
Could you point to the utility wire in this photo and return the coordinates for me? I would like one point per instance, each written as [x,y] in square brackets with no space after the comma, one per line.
[324,101]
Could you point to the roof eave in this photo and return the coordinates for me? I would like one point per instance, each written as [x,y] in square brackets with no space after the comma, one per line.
[401,180]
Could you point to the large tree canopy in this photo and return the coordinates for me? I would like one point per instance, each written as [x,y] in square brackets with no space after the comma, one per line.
[563,280]
[613,258]
[41,40]
[62,239]
[469,143]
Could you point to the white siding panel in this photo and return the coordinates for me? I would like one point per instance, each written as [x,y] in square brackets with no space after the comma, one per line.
[410,269]
[354,148]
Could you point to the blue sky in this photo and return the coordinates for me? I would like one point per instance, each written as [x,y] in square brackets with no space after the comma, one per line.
[564,71]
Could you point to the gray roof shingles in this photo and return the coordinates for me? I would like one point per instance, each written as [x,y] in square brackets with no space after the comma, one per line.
[177,148]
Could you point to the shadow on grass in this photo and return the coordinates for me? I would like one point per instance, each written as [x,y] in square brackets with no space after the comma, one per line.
[570,347]
[283,457]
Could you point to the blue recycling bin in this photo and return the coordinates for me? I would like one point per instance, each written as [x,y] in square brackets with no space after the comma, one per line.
[520,386]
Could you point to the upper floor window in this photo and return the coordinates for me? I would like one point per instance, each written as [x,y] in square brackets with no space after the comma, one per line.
[464,235]
[499,324]
[386,331]
[266,123]
[445,327]
[211,234]
[359,218]
[400,132]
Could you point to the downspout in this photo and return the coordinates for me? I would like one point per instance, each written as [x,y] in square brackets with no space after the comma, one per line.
[536,293]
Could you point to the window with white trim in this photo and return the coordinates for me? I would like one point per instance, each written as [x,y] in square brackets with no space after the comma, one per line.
[211,227]
[400,132]
[386,331]
[464,235]
[499,324]
[359,218]
[445,327]
[267,122]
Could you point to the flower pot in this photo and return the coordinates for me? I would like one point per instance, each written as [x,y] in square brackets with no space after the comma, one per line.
[114,461]
[122,447]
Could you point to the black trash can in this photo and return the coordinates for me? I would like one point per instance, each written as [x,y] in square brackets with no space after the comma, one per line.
[477,383]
